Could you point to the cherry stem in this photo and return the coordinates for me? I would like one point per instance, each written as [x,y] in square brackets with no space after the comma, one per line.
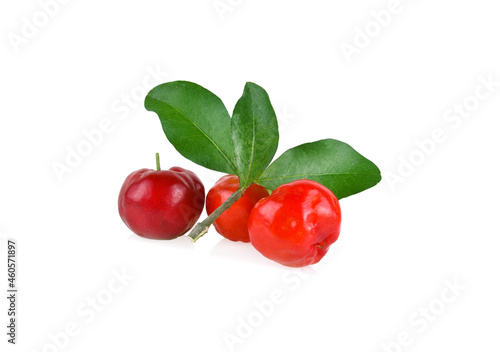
[158,168]
[201,228]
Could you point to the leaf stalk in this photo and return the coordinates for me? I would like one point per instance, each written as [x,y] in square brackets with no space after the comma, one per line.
[201,228]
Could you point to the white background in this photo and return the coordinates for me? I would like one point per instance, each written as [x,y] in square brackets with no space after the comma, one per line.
[398,247]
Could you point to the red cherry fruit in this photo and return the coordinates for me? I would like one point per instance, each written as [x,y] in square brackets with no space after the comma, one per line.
[233,223]
[296,224]
[161,204]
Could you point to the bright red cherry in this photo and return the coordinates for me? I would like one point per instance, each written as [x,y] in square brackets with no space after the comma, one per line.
[161,204]
[296,224]
[233,223]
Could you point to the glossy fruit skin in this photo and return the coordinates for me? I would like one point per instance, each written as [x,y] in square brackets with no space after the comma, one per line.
[233,223]
[161,204]
[296,224]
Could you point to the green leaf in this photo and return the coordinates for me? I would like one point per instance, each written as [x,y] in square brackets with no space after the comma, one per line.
[254,130]
[332,163]
[196,122]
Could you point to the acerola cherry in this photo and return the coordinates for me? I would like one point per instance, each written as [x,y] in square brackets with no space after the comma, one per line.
[161,204]
[296,224]
[233,223]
